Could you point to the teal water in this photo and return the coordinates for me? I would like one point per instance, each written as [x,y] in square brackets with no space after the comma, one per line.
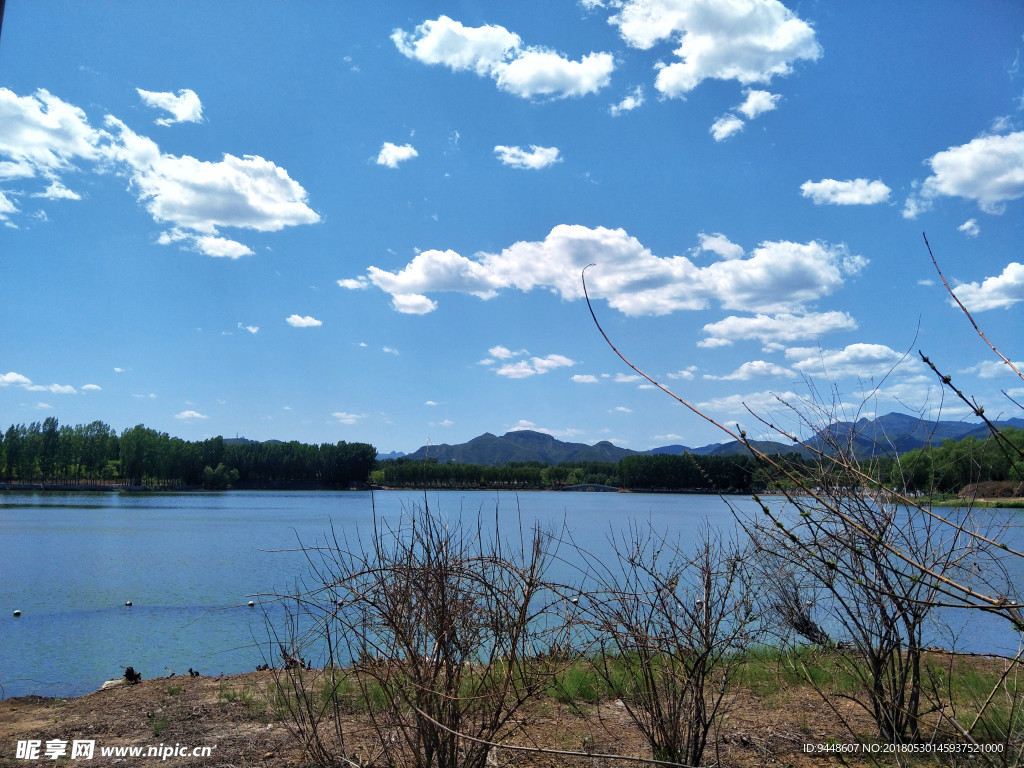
[189,563]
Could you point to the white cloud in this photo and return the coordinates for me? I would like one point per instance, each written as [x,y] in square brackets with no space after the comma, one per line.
[585,378]
[57,389]
[970,228]
[91,388]
[758,402]
[354,285]
[750,41]
[347,418]
[758,102]
[994,369]
[521,369]
[495,52]
[190,415]
[630,101]
[776,329]
[775,277]
[999,292]
[686,374]
[297,321]
[254,329]
[391,155]
[389,350]
[988,170]
[44,135]
[756,369]
[853,192]
[726,126]
[412,304]
[854,361]
[16,379]
[198,197]
[720,245]
[535,158]
[9,378]
[627,378]
[210,245]
[57,191]
[622,409]
[504,353]
[184,106]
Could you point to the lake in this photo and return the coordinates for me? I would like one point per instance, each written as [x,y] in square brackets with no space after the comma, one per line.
[190,562]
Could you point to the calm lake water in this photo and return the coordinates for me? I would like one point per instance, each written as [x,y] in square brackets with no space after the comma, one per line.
[190,563]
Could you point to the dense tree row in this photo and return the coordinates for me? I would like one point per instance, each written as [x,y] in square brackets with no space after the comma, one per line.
[949,467]
[651,472]
[50,453]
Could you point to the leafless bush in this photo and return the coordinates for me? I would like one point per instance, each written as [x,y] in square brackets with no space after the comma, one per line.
[439,627]
[671,628]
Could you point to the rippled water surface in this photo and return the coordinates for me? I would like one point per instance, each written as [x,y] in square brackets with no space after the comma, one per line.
[189,563]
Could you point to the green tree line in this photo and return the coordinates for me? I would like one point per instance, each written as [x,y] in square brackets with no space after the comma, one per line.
[48,452]
[949,467]
[648,472]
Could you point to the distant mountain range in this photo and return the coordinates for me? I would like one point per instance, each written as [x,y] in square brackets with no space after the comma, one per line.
[894,432]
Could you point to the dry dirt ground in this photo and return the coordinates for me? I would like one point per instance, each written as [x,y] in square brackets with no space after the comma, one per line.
[230,714]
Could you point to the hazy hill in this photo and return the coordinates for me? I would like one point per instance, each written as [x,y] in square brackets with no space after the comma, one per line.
[893,432]
[521,445]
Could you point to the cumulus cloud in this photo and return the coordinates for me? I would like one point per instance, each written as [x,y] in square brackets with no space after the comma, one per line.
[253,329]
[853,192]
[775,277]
[535,158]
[495,52]
[91,388]
[999,292]
[630,101]
[726,126]
[585,378]
[190,416]
[297,321]
[756,369]
[12,378]
[772,330]
[391,155]
[184,106]
[199,197]
[44,137]
[970,228]
[758,102]
[988,170]
[57,191]
[750,41]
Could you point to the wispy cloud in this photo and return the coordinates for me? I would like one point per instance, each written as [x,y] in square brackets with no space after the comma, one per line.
[535,158]
[184,106]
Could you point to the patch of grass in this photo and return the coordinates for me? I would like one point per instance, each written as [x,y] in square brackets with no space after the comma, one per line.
[174,690]
[158,723]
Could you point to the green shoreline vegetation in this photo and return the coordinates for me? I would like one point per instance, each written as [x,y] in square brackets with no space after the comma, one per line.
[50,455]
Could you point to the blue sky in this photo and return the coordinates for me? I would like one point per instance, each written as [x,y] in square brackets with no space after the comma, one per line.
[367,221]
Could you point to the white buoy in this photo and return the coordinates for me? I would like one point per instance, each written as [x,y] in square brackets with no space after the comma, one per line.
[252,604]
[128,603]
[17,614]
